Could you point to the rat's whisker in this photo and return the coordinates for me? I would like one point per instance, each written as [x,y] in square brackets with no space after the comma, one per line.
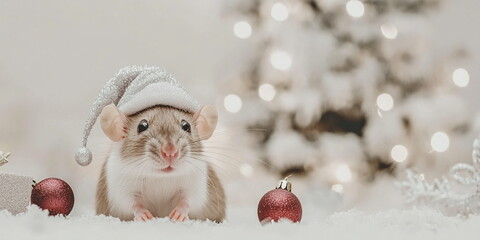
[223,148]
[200,158]
[220,154]
[232,158]
[216,164]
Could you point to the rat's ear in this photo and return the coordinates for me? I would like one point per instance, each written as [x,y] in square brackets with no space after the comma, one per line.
[206,121]
[113,123]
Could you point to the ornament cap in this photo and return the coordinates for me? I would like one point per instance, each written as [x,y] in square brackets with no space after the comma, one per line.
[284,184]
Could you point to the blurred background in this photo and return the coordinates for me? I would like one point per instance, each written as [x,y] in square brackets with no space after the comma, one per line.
[343,95]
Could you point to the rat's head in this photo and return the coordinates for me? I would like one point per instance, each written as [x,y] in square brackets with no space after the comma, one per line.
[158,140]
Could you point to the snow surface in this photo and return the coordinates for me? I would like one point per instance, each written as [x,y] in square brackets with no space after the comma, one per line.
[391,224]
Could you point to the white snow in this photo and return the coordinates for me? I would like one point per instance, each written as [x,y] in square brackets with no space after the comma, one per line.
[391,224]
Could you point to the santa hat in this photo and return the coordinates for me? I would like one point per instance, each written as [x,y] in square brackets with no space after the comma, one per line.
[134,89]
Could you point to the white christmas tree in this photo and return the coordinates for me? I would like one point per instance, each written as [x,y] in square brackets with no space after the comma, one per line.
[343,89]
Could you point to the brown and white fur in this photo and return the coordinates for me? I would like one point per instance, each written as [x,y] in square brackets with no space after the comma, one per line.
[159,172]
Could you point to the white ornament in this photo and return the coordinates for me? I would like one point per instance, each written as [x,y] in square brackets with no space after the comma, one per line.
[15,190]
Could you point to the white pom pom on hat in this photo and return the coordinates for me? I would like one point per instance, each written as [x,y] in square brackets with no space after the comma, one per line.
[134,89]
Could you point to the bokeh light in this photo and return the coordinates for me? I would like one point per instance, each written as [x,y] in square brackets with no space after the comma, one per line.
[461,77]
[279,12]
[355,8]
[385,102]
[389,31]
[267,92]
[343,173]
[440,142]
[246,170]
[232,103]
[399,153]
[280,60]
[337,188]
[242,29]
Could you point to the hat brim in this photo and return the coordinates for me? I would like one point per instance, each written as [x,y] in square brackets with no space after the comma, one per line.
[162,93]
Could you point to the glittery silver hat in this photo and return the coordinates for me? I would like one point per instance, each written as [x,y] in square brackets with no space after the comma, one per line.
[133,89]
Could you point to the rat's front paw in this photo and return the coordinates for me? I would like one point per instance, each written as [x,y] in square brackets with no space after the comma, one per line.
[143,215]
[179,214]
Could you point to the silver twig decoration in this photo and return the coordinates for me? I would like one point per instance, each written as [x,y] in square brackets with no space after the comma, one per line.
[456,194]
[3,158]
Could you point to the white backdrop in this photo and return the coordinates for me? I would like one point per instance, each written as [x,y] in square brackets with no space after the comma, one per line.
[56,55]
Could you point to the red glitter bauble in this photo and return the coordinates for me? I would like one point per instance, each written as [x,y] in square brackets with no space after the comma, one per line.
[279,204]
[54,195]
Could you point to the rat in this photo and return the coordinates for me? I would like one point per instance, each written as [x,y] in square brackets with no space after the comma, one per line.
[154,168]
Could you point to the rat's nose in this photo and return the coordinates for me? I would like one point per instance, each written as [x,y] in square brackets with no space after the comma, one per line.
[169,152]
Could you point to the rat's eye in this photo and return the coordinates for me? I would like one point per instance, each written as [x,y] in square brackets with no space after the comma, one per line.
[185,126]
[142,126]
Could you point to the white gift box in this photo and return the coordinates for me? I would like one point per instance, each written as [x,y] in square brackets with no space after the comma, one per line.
[15,192]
